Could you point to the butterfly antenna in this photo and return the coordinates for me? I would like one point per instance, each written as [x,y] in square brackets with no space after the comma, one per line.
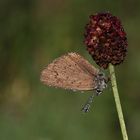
[88,104]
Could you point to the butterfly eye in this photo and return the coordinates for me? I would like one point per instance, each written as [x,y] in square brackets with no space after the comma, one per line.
[100,74]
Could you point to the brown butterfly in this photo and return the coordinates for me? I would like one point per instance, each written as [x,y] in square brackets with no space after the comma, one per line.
[72,71]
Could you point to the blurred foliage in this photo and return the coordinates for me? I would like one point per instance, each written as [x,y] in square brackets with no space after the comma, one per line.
[33,33]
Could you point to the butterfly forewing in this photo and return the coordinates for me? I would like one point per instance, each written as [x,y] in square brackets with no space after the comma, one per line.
[83,64]
[70,71]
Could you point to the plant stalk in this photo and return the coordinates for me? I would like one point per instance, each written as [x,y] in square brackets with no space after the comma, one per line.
[117,101]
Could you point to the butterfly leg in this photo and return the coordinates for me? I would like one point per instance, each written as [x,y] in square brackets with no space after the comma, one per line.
[88,104]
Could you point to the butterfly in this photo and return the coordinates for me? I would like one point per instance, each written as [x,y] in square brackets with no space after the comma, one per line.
[72,71]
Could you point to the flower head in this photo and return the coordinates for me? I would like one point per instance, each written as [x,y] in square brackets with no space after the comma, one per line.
[105,39]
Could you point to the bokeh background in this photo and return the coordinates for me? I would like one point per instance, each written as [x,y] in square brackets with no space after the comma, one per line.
[32,34]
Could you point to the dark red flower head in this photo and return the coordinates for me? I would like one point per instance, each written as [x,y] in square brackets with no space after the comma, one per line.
[105,39]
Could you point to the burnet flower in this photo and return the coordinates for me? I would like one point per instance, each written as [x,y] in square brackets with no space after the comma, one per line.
[105,39]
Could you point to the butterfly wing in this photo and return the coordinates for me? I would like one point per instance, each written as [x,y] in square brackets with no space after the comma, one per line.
[70,71]
[83,64]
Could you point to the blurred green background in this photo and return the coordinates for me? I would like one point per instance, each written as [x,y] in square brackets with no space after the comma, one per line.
[32,34]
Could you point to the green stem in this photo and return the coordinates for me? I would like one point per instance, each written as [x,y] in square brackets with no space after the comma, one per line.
[117,101]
